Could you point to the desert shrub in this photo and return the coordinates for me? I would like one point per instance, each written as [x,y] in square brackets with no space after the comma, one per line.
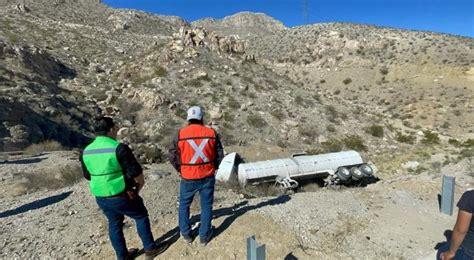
[227,116]
[160,72]
[343,116]
[384,71]
[313,151]
[299,100]
[259,88]
[308,132]
[332,113]
[129,109]
[196,83]
[332,145]
[337,92]
[58,177]
[467,153]
[406,123]
[255,120]
[445,125]
[322,81]
[419,169]
[430,137]
[457,112]
[251,95]
[233,103]
[282,144]
[375,130]
[454,142]
[468,143]
[354,142]
[149,154]
[317,97]
[331,128]
[46,146]
[409,139]
[205,78]
[194,102]
[180,112]
[347,81]
[278,114]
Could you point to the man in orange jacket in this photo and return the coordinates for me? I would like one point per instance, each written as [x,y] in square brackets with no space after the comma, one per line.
[196,153]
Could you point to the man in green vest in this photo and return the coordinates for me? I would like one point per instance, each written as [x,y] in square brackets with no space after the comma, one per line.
[115,180]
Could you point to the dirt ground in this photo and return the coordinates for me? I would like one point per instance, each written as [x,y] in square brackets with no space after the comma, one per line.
[395,218]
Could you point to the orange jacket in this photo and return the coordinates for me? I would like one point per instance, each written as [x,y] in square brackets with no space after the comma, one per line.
[197,149]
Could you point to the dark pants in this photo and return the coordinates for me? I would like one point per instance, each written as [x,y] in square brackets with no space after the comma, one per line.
[188,188]
[460,254]
[115,209]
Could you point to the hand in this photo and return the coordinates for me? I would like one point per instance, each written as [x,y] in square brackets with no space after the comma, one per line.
[140,180]
[447,255]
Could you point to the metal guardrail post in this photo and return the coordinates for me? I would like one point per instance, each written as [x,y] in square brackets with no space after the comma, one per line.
[255,251]
[447,195]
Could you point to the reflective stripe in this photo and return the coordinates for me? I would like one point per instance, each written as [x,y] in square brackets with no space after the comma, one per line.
[105,173]
[198,151]
[197,137]
[97,151]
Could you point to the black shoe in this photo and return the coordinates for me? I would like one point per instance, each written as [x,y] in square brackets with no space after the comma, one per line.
[188,239]
[132,253]
[149,254]
[210,234]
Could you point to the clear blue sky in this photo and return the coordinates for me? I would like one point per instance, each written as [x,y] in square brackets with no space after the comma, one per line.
[447,16]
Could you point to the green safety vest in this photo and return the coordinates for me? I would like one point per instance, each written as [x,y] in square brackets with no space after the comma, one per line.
[101,161]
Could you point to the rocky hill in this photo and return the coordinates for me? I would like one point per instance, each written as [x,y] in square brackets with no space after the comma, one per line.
[331,86]
[244,24]
[401,98]
[318,88]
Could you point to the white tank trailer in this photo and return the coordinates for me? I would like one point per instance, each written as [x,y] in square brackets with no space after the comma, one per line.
[345,167]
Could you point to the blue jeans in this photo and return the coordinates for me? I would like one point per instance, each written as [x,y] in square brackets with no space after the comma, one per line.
[188,188]
[115,209]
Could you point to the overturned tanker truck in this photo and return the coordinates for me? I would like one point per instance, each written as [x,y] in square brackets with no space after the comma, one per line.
[345,168]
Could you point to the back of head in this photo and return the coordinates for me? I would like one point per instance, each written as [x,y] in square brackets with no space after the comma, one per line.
[195,114]
[103,125]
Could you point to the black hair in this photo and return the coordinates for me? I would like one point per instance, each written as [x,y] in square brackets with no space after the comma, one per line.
[195,121]
[103,125]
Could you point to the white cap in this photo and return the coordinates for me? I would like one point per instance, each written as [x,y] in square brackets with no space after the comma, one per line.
[195,113]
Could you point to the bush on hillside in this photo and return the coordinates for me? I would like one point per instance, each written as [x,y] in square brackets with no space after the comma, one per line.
[46,146]
[60,177]
[375,130]
[430,137]
[354,142]
[255,120]
[347,81]
[409,139]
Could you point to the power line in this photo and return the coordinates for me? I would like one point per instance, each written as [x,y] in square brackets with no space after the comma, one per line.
[305,11]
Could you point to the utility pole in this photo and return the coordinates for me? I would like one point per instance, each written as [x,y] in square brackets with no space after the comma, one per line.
[305,11]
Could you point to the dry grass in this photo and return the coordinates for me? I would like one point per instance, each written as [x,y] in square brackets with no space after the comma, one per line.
[46,146]
[60,177]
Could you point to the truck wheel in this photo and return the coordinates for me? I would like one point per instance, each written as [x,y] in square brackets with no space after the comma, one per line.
[343,174]
[356,173]
[366,169]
